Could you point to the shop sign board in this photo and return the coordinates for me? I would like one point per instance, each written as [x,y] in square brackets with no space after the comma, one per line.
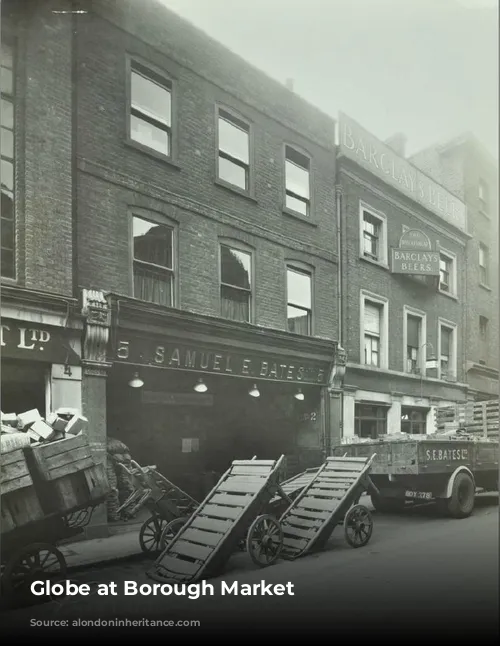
[174,355]
[415,256]
[33,342]
[379,159]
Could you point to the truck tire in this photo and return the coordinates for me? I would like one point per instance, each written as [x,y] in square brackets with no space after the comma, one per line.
[461,503]
[386,505]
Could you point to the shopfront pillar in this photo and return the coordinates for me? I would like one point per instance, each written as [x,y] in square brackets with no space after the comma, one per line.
[335,390]
[394,415]
[97,316]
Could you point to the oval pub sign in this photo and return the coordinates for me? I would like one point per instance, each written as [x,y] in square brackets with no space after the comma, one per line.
[415,239]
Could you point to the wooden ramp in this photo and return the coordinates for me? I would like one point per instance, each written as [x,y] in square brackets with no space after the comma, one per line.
[295,485]
[205,543]
[312,517]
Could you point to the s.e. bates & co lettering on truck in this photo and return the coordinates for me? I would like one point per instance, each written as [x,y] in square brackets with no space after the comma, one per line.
[447,454]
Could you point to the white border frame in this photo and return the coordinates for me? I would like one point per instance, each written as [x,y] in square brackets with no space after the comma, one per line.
[449,255]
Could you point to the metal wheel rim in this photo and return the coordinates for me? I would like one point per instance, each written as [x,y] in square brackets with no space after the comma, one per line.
[358,526]
[265,540]
[170,531]
[151,533]
[37,562]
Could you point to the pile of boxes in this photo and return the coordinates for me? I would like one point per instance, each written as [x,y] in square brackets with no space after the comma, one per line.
[31,426]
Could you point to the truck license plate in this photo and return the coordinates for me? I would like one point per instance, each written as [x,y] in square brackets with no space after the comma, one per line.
[419,495]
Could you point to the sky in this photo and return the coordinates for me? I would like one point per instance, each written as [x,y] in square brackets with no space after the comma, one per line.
[427,68]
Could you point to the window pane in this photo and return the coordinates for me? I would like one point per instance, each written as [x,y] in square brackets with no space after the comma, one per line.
[6,81]
[299,288]
[7,226]
[297,180]
[372,318]
[7,143]
[7,263]
[445,341]
[413,331]
[149,135]
[371,224]
[7,114]
[296,205]
[370,245]
[152,243]
[298,321]
[7,175]
[6,55]
[235,304]
[233,141]
[236,267]
[151,98]
[232,173]
[152,286]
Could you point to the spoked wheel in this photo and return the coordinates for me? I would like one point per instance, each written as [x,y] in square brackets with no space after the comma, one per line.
[358,526]
[150,534]
[264,540]
[37,562]
[170,531]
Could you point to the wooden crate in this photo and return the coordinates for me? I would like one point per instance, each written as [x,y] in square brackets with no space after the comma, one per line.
[79,490]
[65,457]
[15,473]
[20,508]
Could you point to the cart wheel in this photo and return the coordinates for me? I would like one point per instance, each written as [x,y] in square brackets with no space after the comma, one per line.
[37,562]
[264,540]
[358,526]
[170,531]
[150,534]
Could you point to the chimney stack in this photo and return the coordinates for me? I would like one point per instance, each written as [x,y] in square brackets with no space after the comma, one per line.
[397,143]
[289,84]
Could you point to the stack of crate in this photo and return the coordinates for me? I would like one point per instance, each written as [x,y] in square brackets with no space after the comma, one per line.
[472,418]
[47,467]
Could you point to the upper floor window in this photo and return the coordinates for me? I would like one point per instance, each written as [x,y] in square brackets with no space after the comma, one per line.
[372,333]
[299,301]
[236,283]
[153,261]
[373,236]
[414,326]
[447,273]
[8,250]
[151,110]
[483,339]
[234,151]
[297,181]
[483,197]
[447,351]
[483,264]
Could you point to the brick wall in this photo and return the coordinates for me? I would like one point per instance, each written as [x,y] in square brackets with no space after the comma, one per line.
[114,176]
[43,181]
[360,274]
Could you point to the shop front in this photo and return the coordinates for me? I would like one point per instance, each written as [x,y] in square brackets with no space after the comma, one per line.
[40,365]
[190,394]
[377,403]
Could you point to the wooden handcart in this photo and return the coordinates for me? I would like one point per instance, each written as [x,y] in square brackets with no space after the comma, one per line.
[204,544]
[164,500]
[48,494]
[330,499]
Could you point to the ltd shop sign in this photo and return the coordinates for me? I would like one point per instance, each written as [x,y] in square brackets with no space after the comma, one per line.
[27,340]
[208,360]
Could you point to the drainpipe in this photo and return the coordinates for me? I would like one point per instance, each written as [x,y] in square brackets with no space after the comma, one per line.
[338,208]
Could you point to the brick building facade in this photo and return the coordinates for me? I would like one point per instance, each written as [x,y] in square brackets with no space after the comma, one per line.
[395,326]
[466,169]
[178,206]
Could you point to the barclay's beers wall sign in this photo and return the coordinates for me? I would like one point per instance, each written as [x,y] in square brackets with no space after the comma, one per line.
[378,158]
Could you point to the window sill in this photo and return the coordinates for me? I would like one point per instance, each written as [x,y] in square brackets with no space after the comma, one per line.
[152,153]
[377,263]
[234,189]
[298,216]
[486,287]
[448,295]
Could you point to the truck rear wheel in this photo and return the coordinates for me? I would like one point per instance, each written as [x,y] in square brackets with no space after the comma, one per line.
[387,505]
[461,503]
